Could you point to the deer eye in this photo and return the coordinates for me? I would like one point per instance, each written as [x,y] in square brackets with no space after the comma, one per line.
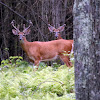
[23,34]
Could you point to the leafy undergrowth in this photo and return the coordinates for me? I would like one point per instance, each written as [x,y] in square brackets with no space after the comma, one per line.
[23,83]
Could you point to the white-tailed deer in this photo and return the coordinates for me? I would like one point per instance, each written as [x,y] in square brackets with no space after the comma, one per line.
[43,51]
[57,33]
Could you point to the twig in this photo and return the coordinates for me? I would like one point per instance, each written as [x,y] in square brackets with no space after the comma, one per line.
[34,12]
[45,82]
[14,11]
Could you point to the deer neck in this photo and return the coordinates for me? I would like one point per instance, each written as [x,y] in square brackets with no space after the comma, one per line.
[24,43]
[59,36]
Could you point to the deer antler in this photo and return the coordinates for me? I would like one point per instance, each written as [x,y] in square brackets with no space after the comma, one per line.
[51,28]
[12,23]
[30,23]
[49,25]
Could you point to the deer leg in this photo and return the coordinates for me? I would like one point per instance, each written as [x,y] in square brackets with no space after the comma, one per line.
[70,63]
[36,63]
[66,60]
[31,60]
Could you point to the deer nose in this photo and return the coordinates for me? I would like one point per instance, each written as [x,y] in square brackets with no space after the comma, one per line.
[20,37]
[56,34]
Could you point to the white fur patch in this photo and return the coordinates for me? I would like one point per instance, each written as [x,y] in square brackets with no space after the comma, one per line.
[50,59]
[72,51]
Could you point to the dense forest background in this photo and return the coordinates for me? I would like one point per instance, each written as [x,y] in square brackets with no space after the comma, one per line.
[41,13]
[83,26]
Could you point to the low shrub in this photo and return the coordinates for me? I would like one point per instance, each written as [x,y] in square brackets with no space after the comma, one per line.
[23,83]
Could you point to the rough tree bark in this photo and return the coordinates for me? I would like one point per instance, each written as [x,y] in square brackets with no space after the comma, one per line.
[87,49]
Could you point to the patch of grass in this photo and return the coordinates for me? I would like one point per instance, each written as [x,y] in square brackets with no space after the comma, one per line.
[22,83]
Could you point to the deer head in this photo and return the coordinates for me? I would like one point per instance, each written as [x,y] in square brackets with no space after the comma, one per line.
[22,34]
[56,31]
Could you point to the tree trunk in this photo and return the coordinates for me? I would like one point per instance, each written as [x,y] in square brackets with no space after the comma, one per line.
[87,49]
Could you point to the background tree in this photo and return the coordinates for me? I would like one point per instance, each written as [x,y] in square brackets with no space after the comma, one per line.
[87,49]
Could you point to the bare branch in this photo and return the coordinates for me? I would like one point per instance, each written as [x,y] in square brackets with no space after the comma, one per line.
[13,11]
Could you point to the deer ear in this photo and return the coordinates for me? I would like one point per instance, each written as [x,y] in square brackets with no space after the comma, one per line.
[61,28]
[15,32]
[27,31]
[51,28]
